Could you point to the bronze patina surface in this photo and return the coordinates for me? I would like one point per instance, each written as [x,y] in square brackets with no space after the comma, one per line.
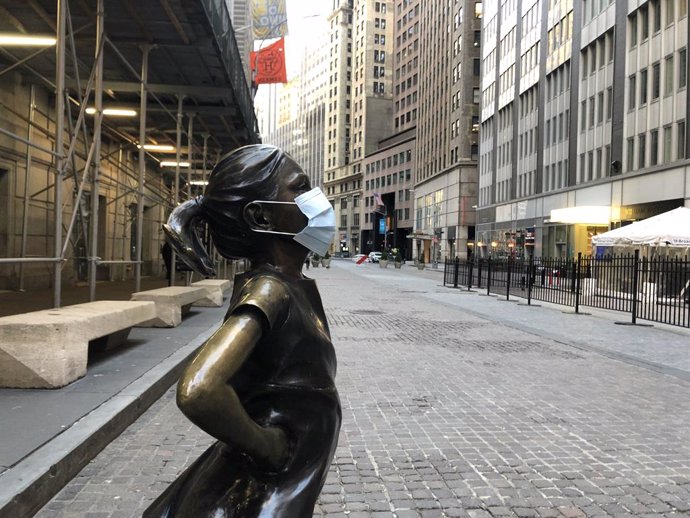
[263,384]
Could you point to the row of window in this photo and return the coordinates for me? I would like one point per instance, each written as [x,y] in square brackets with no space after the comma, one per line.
[555,175]
[388,180]
[650,17]
[592,111]
[592,8]
[661,147]
[530,59]
[391,161]
[560,34]
[557,128]
[409,116]
[640,97]
[599,52]
[558,82]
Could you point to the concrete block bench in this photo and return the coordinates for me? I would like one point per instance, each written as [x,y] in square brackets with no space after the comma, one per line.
[171,303]
[49,348]
[215,290]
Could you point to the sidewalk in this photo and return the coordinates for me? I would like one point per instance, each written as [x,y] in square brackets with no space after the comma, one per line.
[457,405]
[47,436]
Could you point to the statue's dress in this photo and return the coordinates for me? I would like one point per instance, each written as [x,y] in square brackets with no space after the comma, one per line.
[287,381]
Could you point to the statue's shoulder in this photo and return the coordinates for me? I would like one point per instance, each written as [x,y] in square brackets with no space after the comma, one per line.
[266,291]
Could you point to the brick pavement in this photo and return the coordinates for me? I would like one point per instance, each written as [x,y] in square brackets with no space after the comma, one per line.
[446,414]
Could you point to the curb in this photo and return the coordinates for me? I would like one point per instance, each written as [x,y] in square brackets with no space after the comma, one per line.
[30,484]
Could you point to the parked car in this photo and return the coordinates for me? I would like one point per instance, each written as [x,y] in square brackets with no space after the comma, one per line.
[374,257]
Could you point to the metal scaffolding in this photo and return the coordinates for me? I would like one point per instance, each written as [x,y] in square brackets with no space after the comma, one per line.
[209,107]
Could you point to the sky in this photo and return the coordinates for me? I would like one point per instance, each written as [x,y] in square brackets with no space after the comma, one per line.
[305,20]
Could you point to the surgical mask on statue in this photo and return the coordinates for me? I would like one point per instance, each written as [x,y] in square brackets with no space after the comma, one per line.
[320,229]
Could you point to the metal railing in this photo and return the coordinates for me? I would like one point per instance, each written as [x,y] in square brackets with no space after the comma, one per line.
[657,290]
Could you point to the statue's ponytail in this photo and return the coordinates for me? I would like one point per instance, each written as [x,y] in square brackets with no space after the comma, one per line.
[182,233]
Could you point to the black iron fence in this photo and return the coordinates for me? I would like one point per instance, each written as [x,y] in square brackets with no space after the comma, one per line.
[656,290]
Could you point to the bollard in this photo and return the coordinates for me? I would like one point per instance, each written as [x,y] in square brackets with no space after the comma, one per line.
[510,267]
[457,271]
[577,282]
[634,287]
[488,277]
[529,280]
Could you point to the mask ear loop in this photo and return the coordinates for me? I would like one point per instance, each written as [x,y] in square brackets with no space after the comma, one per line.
[274,231]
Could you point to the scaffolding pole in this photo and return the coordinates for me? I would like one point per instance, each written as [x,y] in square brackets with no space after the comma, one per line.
[95,170]
[176,188]
[25,215]
[190,144]
[142,164]
[59,145]
[111,277]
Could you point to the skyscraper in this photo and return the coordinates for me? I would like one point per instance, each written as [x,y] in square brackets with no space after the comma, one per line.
[583,122]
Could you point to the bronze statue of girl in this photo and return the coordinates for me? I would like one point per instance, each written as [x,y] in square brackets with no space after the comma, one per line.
[263,384]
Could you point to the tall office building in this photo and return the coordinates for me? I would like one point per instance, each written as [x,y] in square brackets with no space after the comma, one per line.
[389,170]
[447,123]
[359,112]
[241,18]
[583,121]
[312,111]
[300,111]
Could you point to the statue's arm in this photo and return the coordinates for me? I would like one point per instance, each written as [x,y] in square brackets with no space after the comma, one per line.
[206,398]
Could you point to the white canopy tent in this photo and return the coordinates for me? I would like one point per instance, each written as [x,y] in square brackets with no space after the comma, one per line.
[670,229]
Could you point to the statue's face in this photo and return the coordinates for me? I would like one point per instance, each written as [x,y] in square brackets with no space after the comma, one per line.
[292,182]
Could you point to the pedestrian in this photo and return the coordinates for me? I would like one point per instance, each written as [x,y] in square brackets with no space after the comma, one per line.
[306,261]
[263,384]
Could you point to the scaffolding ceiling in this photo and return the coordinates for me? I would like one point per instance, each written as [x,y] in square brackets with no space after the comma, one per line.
[193,54]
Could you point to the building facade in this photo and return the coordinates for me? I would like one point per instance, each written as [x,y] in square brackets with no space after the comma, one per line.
[447,78]
[583,121]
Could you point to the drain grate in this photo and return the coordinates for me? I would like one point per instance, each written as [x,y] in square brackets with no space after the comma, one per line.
[366,312]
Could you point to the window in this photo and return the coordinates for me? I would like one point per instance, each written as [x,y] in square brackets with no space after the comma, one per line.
[670,14]
[682,68]
[654,147]
[609,101]
[656,80]
[643,86]
[668,143]
[668,77]
[600,108]
[681,140]
[633,29]
[644,22]
[632,91]
[631,154]
[656,8]
[642,149]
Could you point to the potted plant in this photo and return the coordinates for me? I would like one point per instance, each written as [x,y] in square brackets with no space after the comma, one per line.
[315,260]
[420,262]
[383,262]
[398,259]
[326,260]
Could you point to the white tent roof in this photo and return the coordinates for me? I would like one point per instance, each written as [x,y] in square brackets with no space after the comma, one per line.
[671,228]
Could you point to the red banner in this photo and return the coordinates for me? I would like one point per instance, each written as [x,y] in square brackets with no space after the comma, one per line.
[268,64]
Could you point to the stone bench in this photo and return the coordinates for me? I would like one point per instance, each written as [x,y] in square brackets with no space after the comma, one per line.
[215,290]
[171,304]
[50,348]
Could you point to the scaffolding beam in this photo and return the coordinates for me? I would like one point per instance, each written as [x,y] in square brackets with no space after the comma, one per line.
[142,163]
[96,168]
[59,144]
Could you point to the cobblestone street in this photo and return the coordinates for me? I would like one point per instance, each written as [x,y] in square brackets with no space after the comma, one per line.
[446,414]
